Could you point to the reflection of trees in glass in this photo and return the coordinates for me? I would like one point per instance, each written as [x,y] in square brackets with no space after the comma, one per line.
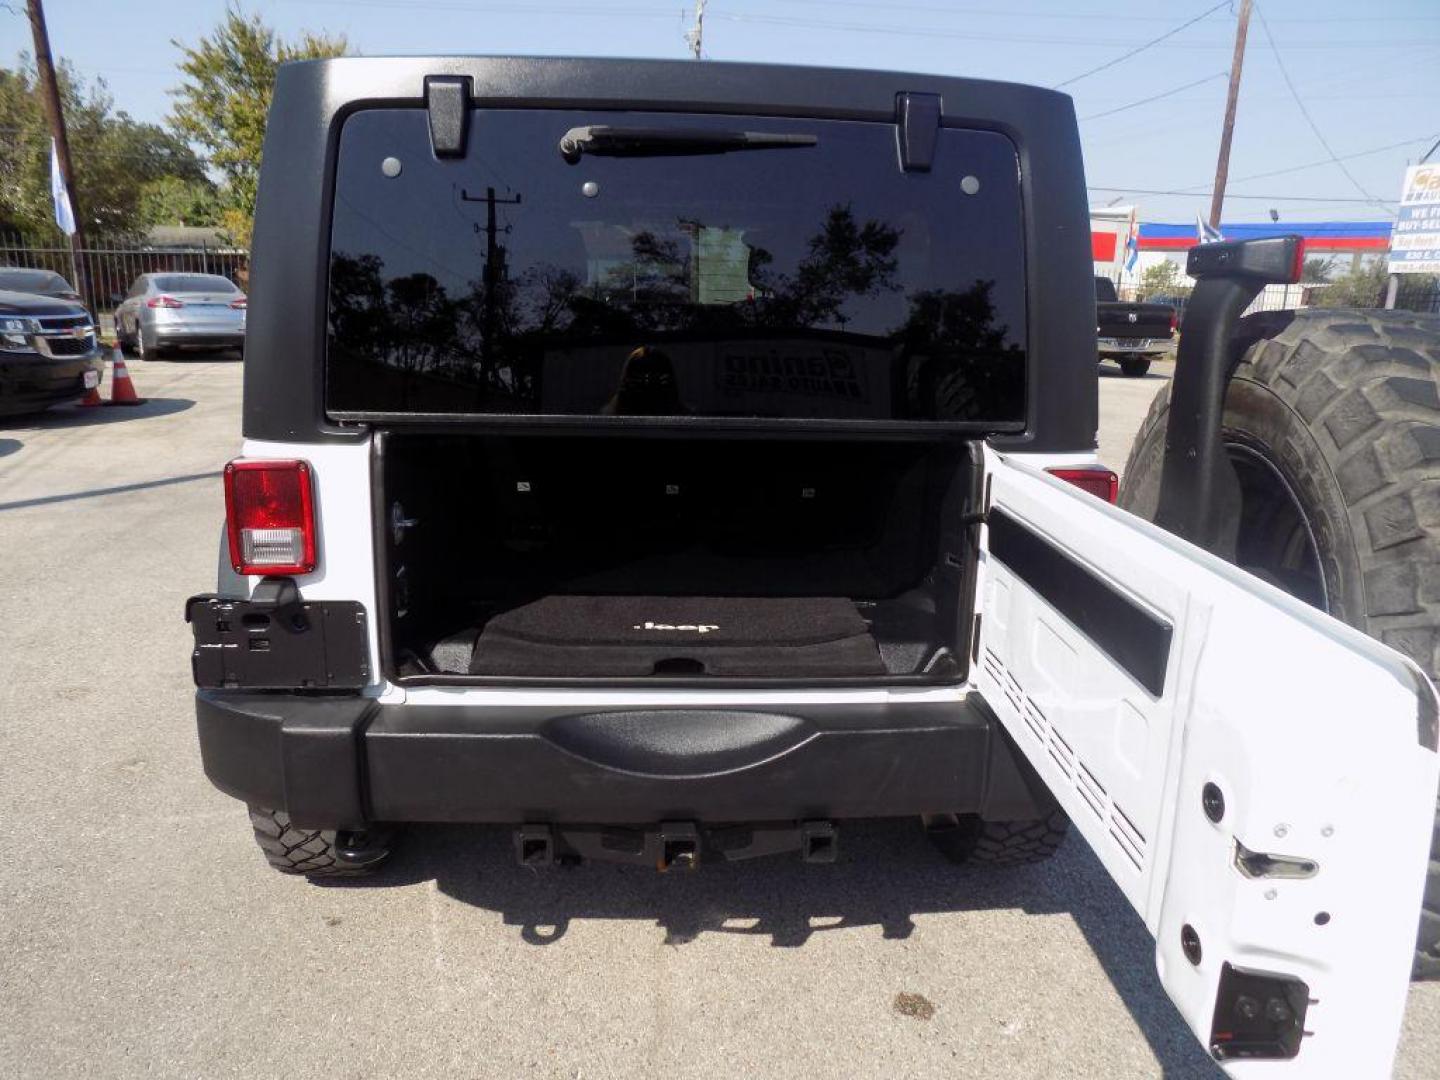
[959,362]
[846,259]
[952,360]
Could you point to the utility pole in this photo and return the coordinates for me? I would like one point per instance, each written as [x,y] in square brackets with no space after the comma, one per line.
[1222,166]
[494,260]
[695,36]
[50,95]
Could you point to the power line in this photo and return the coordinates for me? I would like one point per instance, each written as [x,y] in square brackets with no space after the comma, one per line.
[1300,104]
[1261,198]
[1155,97]
[952,9]
[1323,161]
[1141,48]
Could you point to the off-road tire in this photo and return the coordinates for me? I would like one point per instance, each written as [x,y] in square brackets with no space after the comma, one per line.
[310,852]
[1135,367]
[1002,843]
[1346,404]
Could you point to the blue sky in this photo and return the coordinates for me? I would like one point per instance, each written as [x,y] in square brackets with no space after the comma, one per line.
[1369,75]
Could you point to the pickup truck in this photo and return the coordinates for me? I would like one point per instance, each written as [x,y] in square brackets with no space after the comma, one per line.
[1130,334]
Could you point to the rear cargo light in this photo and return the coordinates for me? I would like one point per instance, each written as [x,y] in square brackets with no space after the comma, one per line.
[238,303]
[164,301]
[1096,479]
[270,517]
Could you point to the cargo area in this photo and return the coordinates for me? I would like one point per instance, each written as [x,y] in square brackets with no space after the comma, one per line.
[637,559]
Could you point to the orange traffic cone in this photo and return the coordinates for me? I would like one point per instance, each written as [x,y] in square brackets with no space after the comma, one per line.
[122,390]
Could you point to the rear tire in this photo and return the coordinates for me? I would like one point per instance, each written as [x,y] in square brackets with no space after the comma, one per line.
[311,852]
[1135,367]
[1001,843]
[1333,421]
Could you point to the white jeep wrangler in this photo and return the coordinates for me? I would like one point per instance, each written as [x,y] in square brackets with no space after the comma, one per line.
[677,461]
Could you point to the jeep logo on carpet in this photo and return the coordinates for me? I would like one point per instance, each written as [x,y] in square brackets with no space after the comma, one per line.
[699,628]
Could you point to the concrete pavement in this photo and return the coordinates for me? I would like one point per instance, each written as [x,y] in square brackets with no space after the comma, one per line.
[141,933]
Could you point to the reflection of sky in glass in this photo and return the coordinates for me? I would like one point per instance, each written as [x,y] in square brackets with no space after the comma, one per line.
[818,282]
[418,222]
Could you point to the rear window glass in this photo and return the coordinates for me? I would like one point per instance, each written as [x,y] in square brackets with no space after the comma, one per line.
[194,283]
[816,281]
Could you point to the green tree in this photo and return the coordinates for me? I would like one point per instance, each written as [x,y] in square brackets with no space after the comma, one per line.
[1363,288]
[223,103]
[1161,278]
[176,200]
[115,157]
[1317,270]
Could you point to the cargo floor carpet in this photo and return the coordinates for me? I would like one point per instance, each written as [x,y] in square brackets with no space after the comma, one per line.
[628,636]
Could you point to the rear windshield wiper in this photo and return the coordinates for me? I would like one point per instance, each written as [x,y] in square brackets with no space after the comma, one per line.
[604,141]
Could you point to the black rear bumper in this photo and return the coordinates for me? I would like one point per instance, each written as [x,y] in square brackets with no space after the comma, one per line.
[344,762]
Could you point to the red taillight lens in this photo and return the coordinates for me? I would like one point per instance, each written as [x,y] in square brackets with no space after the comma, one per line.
[270,516]
[164,301]
[1174,321]
[1297,269]
[1098,481]
[238,303]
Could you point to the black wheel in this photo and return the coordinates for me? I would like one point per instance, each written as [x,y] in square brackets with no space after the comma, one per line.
[1332,422]
[142,350]
[1134,366]
[317,853]
[1000,843]
[126,343]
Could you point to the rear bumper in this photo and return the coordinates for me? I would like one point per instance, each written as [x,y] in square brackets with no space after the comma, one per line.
[174,337]
[344,762]
[1133,346]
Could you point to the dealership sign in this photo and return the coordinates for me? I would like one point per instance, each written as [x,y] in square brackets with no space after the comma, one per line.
[1415,242]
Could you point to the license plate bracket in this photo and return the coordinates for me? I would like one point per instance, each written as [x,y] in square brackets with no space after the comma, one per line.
[261,645]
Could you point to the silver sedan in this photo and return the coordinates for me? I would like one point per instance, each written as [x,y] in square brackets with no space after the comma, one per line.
[162,312]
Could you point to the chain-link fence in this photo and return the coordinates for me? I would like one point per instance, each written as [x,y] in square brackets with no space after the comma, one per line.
[1415,292]
[102,275]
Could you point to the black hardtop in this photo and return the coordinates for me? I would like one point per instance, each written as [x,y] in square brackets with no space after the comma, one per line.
[284,377]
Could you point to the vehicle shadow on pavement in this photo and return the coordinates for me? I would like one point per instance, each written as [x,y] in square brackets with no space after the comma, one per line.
[887,874]
[75,416]
[1150,376]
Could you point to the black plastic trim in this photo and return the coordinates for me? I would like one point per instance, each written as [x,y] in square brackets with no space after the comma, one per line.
[447,105]
[284,377]
[341,762]
[1132,636]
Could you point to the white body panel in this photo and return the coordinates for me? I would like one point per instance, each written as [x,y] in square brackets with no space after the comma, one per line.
[1308,728]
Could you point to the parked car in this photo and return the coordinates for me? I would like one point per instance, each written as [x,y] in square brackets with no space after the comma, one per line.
[48,352]
[163,312]
[695,544]
[24,279]
[1130,333]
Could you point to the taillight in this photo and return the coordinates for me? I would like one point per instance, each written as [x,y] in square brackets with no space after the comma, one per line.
[238,303]
[1174,321]
[164,301]
[1097,480]
[270,516]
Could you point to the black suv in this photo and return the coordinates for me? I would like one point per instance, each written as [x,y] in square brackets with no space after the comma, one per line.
[49,353]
